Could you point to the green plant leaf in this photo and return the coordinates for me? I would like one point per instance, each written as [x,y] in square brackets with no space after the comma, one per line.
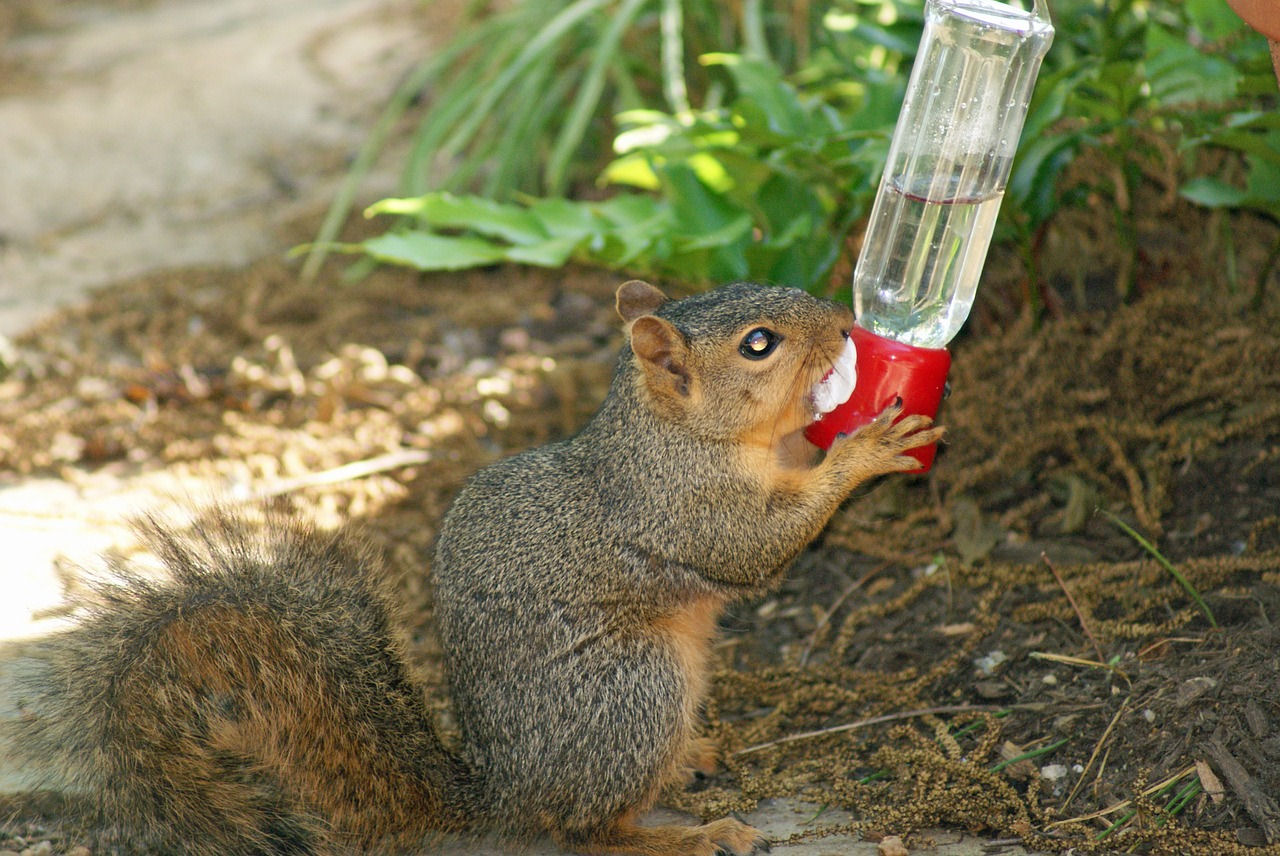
[551,253]
[1212,192]
[588,96]
[1033,181]
[632,170]
[442,210]
[1178,73]
[762,90]
[426,251]
[561,218]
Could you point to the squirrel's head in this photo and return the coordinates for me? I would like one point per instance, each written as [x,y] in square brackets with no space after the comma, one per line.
[737,363]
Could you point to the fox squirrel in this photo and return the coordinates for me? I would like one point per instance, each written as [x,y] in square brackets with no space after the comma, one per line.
[258,700]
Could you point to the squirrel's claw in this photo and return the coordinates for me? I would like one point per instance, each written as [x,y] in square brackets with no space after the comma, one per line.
[760,845]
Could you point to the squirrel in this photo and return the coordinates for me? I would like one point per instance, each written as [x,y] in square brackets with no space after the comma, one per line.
[258,699]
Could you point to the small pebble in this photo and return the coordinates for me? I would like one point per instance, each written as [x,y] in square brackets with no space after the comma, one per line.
[987,663]
[891,845]
[1053,772]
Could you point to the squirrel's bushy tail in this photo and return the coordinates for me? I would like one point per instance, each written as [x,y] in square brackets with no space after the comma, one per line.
[256,702]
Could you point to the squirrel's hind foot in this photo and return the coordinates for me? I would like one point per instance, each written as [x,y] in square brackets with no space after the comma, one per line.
[725,837]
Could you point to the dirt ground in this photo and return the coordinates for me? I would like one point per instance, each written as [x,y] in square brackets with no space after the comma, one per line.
[984,649]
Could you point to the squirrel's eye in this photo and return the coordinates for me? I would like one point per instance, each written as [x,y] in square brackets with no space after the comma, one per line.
[759,343]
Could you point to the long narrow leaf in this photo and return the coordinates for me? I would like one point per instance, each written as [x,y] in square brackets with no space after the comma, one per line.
[588,97]
[425,251]
[515,155]
[340,208]
[1164,563]
[455,99]
[547,36]
[673,82]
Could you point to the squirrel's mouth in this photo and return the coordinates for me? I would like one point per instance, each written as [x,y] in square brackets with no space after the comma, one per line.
[837,384]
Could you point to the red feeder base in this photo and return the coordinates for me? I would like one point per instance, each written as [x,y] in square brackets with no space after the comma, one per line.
[887,370]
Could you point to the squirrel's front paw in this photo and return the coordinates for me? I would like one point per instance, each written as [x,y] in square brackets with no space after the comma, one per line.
[885,439]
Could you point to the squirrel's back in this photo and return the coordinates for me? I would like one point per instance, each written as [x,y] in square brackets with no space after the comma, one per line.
[256,702]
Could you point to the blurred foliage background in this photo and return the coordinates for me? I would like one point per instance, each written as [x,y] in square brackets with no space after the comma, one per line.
[706,141]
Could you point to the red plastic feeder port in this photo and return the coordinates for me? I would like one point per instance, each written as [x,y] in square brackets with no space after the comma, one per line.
[887,370]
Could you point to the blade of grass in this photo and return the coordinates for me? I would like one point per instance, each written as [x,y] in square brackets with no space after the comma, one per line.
[1164,563]
[542,90]
[1123,804]
[344,199]
[753,38]
[542,41]
[1179,802]
[673,82]
[1180,798]
[588,97]
[454,100]
[1026,756]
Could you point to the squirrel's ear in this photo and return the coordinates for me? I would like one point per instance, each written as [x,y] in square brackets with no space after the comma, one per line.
[636,298]
[663,354]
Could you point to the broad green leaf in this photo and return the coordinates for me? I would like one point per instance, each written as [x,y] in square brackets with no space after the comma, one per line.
[711,172]
[1049,101]
[1212,193]
[425,251]
[561,218]
[899,39]
[1268,120]
[1178,73]
[734,230]
[761,86]
[697,210]
[1263,146]
[1035,172]
[551,253]
[632,170]
[442,210]
[631,210]
[1263,185]
[1213,18]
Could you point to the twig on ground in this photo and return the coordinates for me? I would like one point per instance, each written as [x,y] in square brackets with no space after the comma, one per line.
[863,723]
[1123,804]
[1068,660]
[1094,756]
[347,472]
[1044,557]
[1260,806]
